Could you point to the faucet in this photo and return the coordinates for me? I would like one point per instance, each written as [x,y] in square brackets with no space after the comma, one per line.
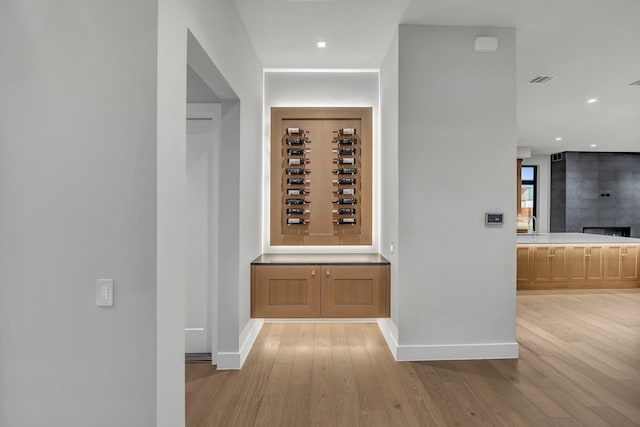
[532,221]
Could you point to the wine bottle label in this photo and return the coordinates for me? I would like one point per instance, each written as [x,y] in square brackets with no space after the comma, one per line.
[345,211]
[344,181]
[346,141]
[296,141]
[297,181]
[297,211]
[344,221]
[294,131]
[291,221]
[345,151]
[346,161]
[346,201]
[345,171]
[347,131]
[297,161]
[297,171]
[347,191]
[297,191]
[296,201]
[297,151]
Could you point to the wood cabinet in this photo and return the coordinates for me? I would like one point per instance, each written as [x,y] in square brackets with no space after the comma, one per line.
[622,263]
[319,290]
[586,263]
[550,265]
[578,266]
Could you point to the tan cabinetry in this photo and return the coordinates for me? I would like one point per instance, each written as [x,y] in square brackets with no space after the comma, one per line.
[319,291]
[586,264]
[550,265]
[523,266]
[622,263]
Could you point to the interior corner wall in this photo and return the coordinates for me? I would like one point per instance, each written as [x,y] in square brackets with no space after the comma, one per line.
[543,189]
[78,197]
[456,155]
[389,207]
[321,89]
[218,28]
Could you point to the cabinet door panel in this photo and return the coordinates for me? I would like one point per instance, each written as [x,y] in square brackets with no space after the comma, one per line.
[523,265]
[595,264]
[559,264]
[578,263]
[541,264]
[355,291]
[613,267]
[629,262]
[285,291]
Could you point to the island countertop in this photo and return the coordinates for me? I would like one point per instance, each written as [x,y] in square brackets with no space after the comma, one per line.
[571,238]
[311,259]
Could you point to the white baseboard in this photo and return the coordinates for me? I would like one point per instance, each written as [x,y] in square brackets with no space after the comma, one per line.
[322,320]
[235,360]
[415,353]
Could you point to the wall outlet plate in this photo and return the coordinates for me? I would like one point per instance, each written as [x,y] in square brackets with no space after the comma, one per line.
[104,292]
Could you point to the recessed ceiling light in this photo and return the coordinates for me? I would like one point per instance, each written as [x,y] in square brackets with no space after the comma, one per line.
[558,138]
[592,100]
[593,145]
[321,43]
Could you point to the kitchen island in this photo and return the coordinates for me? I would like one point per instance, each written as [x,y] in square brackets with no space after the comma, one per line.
[577,261]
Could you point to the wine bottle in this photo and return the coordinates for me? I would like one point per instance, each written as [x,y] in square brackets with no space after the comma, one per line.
[297,171]
[297,181]
[345,161]
[297,141]
[294,131]
[346,202]
[345,181]
[346,191]
[345,141]
[297,211]
[344,221]
[292,161]
[345,151]
[296,201]
[297,151]
[302,221]
[297,191]
[345,171]
[345,131]
[345,211]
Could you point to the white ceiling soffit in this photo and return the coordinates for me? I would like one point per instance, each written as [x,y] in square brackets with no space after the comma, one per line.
[590,46]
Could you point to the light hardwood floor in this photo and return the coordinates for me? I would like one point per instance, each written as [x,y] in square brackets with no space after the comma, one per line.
[579,365]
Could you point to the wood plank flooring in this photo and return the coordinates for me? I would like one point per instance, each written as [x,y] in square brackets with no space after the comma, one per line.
[579,366]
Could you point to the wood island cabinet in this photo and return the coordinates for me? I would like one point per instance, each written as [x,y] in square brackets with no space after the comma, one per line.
[578,266]
[336,290]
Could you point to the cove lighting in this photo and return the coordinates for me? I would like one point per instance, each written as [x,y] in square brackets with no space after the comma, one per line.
[321,43]
[592,100]
[559,138]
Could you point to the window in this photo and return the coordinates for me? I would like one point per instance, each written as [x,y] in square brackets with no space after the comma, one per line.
[528,190]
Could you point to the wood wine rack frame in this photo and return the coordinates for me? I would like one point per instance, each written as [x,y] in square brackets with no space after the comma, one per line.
[321,122]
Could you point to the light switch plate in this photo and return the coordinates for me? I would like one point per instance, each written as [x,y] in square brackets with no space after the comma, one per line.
[104,292]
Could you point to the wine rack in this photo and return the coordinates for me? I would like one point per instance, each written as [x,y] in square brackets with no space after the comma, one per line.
[320,176]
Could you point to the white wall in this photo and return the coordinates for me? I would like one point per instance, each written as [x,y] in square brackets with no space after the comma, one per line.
[217,27]
[544,190]
[389,205]
[457,150]
[78,203]
[322,89]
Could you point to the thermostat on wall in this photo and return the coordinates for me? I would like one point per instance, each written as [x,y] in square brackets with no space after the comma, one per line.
[494,219]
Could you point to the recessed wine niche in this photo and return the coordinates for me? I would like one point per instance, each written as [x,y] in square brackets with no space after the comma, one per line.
[321,176]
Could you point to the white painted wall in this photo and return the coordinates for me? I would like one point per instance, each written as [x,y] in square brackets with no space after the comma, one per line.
[456,152]
[544,190]
[321,89]
[77,203]
[217,27]
[389,204]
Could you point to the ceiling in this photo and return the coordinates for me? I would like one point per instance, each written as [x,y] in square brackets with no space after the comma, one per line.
[590,46]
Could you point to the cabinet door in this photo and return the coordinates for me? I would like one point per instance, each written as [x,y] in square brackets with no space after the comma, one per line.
[355,291]
[541,263]
[629,262]
[559,264]
[523,265]
[285,291]
[578,263]
[595,264]
[613,266]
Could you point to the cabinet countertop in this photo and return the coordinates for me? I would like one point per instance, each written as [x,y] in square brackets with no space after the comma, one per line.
[571,238]
[316,259]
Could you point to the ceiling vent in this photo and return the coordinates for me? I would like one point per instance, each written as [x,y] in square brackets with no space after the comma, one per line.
[541,79]
[636,83]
